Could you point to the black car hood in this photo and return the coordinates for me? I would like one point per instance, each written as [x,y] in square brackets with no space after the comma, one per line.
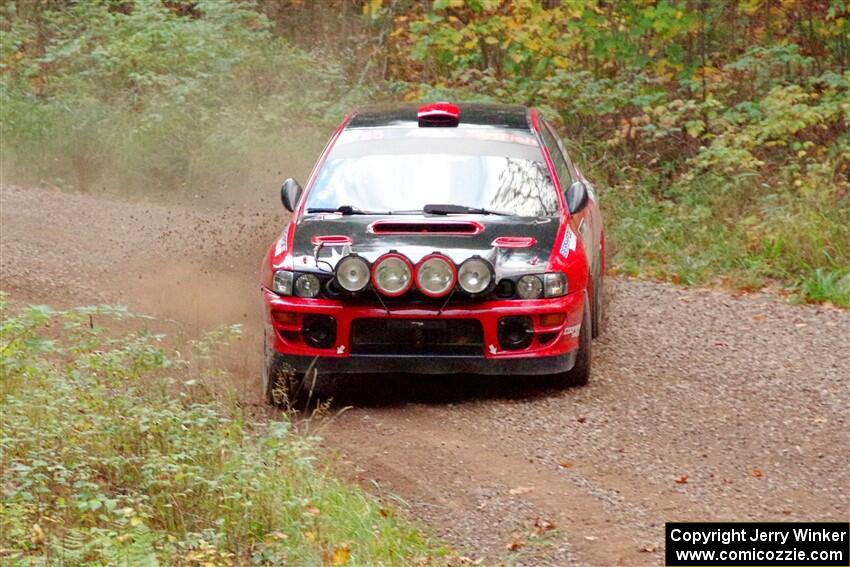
[414,240]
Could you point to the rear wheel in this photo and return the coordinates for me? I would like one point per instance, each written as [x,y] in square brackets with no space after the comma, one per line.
[580,372]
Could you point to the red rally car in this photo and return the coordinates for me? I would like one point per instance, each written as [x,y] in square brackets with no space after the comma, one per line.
[436,239]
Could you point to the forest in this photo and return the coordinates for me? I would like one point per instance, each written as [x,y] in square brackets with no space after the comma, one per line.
[716,130]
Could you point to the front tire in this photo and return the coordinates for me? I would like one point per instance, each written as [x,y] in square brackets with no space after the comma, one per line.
[596,305]
[580,372]
[282,387]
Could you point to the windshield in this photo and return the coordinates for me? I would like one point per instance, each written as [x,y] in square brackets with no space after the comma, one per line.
[405,169]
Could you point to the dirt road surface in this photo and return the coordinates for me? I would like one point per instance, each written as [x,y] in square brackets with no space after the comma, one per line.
[702,405]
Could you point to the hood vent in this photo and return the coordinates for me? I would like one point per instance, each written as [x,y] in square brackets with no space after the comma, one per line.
[426,227]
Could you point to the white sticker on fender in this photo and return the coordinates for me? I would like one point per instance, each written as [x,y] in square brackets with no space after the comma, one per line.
[569,243]
[282,242]
[573,331]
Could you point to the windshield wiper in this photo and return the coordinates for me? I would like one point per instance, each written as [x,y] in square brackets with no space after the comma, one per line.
[345,210]
[460,210]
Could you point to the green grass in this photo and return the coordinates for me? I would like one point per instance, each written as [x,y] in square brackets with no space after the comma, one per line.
[822,286]
[745,236]
[114,453]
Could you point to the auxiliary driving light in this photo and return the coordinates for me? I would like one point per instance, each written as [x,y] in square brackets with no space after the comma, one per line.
[392,274]
[352,273]
[436,275]
[475,275]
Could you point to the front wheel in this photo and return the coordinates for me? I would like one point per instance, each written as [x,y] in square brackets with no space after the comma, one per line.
[597,300]
[580,372]
[282,387]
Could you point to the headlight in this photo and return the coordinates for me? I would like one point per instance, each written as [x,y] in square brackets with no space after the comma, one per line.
[435,275]
[307,285]
[554,284]
[475,275]
[352,273]
[391,274]
[282,283]
[529,287]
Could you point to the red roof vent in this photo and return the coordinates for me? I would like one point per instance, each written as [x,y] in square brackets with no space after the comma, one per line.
[438,114]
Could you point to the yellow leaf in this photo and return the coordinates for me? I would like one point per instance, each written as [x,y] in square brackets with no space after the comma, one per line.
[340,555]
[490,40]
[37,535]
[311,536]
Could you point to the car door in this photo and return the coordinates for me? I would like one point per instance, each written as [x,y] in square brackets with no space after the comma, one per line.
[585,222]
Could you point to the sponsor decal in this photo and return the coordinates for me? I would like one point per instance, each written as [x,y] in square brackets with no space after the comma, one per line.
[492,349]
[569,243]
[340,349]
[572,331]
[282,242]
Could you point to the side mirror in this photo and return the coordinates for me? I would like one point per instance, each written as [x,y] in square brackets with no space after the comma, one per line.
[290,193]
[576,197]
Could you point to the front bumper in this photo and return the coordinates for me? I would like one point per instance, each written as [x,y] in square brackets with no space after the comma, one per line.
[403,364]
[552,350]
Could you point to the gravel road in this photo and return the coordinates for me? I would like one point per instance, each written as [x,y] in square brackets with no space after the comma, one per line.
[702,405]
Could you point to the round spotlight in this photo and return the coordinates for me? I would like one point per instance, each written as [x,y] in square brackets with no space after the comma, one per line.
[529,287]
[392,274]
[352,273]
[475,275]
[307,285]
[436,275]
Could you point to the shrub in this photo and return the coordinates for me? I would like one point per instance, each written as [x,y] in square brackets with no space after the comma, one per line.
[105,458]
[151,98]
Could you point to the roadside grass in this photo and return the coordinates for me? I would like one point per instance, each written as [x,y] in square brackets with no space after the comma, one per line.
[827,286]
[707,234]
[115,452]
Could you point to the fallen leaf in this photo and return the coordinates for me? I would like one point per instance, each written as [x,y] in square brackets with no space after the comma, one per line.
[581,419]
[313,510]
[757,473]
[520,490]
[310,536]
[37,535]
[542,526]
[649,548]
[270,538]
[515,545]
[682,479]
[565,465]
[758,317]
[340,555]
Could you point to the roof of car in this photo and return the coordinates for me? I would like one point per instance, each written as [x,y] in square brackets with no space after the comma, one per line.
[471,114]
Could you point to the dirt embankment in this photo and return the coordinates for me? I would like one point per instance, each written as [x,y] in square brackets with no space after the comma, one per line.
[702,406]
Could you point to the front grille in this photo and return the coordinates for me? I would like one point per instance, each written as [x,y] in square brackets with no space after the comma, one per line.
[437,337]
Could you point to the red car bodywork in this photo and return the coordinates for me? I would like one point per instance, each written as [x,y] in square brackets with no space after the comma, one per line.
[558,317]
